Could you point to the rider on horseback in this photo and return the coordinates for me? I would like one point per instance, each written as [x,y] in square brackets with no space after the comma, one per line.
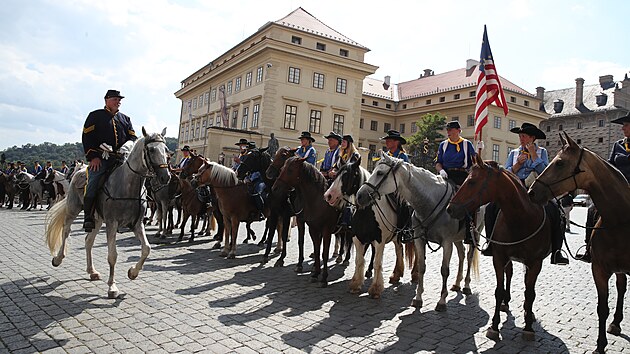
[256,187]
[306,149]
[184,161]
[104,132]
[242,144]
[331,155]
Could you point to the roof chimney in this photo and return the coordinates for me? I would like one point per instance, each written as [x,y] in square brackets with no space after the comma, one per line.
[540,94]
[579,93]
[606,81]
[387,81]
[471,65]
[558,105]
[427,72]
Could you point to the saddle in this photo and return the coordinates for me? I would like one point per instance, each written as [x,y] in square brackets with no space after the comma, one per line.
[204,195]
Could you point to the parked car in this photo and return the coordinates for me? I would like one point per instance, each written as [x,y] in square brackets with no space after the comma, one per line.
[582,200]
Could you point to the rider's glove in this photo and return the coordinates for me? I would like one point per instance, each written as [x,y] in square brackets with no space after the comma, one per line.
[443,174]
[106,150]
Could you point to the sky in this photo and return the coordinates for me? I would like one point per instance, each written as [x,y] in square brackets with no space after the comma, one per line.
[60,57]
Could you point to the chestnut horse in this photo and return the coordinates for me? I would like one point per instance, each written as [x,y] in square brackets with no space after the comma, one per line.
[522,232]
[577,167]
[320,217]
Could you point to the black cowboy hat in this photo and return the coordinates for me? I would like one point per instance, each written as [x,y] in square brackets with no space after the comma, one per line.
[348,138]
[621,120]
[529,129]
[453,124]
[242,141]
[333,135]
[251,145]
[306,135]
[394,134]
[113,93]
[186,148]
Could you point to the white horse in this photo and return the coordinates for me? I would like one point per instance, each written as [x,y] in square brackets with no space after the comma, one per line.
[60,183]
[35,187]
[428,194]
[119,202]
[376,225]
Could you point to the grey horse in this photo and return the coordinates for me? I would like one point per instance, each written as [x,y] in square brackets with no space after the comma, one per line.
[119,203]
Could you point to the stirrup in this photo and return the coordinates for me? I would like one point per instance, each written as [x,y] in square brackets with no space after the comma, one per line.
[558,259]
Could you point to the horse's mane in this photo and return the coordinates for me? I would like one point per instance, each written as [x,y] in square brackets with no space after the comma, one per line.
[223,175]
[311,173]
[614,171]
[509,174]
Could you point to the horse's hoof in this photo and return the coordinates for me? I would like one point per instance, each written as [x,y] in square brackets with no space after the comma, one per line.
[246,241]
[416,303]
[112,294]
[312,255]
[55,264]
[191,240]
[335,255]
[394,280]
[299,269]
[467,291]
[95,276]
[314,279]
[323,284]
[504,308]
[355,290]
[346,263]
[614,329]
[277,251]
[528,336]
[456,288]
[279,263]
[492,334]
[440,308]
[368,274]
[231,256]
[338,260]
[223,254]
[264,260]
[217,246]
[132,273]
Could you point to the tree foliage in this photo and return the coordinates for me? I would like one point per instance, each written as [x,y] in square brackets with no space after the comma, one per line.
[430,127]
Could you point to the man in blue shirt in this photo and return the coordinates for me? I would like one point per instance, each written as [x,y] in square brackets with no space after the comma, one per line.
[306,149]
[394,143]
[455,155]
[528,157]
[184,161]
[332,154]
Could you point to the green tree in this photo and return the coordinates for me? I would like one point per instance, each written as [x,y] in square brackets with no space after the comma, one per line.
[424,142]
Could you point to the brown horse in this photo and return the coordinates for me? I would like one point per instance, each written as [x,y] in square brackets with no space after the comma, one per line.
[522,232]
[8,181]
[577,167]
[320,217]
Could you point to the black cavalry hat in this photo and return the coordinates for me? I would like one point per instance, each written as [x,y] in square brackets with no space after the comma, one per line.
[113,93]
[306,135]
[453,124]
[242,141]
[621,120]
[394,134]
[529,129]
[186,148]
[251,144]
[333,135]
[348,138]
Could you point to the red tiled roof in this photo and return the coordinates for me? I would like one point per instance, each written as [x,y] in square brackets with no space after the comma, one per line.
[302,20]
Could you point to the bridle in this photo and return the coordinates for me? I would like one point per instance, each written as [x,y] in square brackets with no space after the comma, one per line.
[576,171]
[375,194]
[151,166]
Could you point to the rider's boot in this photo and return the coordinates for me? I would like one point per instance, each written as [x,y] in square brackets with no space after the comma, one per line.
[260,204]
[556,248]
[88,214]
[468,238]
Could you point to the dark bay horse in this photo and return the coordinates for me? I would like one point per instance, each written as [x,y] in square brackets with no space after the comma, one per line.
[522,232]
[577,167]
[10,189]
[320,217]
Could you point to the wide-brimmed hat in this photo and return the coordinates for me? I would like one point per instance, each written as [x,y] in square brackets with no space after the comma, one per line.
[333,135]
[394,134]
[251,144]
[306,135]
[529,129]
[186,148]
[453,124]
[348,138]
[113,93]
[621,120]
[242,141]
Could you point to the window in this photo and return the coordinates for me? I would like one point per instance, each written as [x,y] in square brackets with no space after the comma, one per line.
[548,129]
[402,128]
[343,52]
[470,120]
[199,135]
[388,105]
[579,125]
[228,90]
[338,123]
[414,128]
[255,114]
[259,73]
[442,99]
[495,152]
[512,99]
[290,114]
[497,122]
[218,119]
[456,96]
[318,80]
[234,118]
[213,95]
[341,85]
[200,101]
[600,140]
[210,122]
[206,96]
[294,75]
[471,94]
[546,143]
[361,123]
[375,103]
[195,103]
[320,46]
[560,127]
[526,103]
[237,84]
[248,79]
[296,40]
[181,135]
[245,118]
[428,101]
[404,106]
[512,124]
[315,122]
[387,127]
[456,118]
[374,125]
[600,123]
[363,100]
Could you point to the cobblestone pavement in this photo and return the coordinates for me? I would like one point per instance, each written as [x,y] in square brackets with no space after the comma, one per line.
[189,299]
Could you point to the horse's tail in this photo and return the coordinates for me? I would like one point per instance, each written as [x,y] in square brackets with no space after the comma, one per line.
[54,222]
[213,223]
[410,253]
[475,261]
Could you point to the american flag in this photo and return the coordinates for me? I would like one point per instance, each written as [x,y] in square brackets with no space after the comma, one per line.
[489,87]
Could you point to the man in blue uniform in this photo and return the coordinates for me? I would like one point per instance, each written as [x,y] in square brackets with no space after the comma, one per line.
[455,155]
[306,149]
[331,155]
[104,132]
[185,159]
[394,143]
[243,145]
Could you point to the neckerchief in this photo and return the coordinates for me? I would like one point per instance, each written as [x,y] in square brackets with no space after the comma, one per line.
[456,143]
[626,145]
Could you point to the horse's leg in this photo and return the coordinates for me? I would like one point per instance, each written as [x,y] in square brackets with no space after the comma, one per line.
[370,270]
[348,242]
[194,222]
[447,252]
[509,270]
[301,231]
[221,224]
[399,268]
[183,226]
[316,239]
[601,277]
[268,243]
[615,327]
[284,228]
[499,264]
[112,256]
[226,237]
[234,234]
[326,236]
[472,264]
[89,244]
[422,267]
[531,274]
[459,246]
[359,265]
[247,227]
[376,289]
[145,248]
[336,250]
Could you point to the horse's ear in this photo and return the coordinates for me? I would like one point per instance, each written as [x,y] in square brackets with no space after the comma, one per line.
[562,140]
[382,154]
[164,132]
[479,160]
[292,151]
[144,132]
[358,162]
[570,141]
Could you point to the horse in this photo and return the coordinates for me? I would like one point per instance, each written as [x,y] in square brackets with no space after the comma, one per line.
[577,167]
[375,226]
[232,197]
[47,188]
[320,217]
[522,232]
[119,202]
[428,195]
[192,207]
[9,183]
[163,196]
[36,189]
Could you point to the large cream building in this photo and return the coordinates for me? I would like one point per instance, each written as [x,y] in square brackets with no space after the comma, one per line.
[298,74]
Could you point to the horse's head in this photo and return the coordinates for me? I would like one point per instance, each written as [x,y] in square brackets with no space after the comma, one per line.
[562,175]
[257,160]
[290,175]
[193,165]
[381,182]
[155,154]
[478,188]
[282,155]
[346,183]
